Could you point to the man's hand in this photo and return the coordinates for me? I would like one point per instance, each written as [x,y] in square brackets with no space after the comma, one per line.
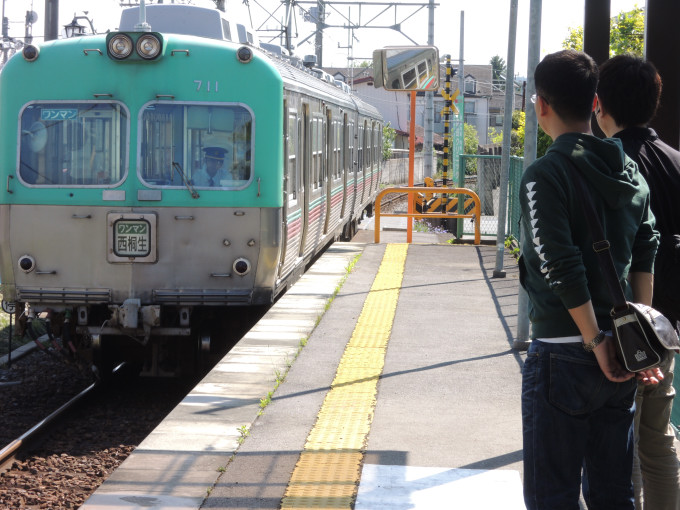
[609,363]
[650,377]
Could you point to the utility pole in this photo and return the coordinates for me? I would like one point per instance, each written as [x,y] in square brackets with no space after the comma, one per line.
[429,103]
[521,342]
[507,134]
[318,44]
[51,20]
[288,27]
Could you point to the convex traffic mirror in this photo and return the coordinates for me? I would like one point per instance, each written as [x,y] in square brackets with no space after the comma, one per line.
[406,68]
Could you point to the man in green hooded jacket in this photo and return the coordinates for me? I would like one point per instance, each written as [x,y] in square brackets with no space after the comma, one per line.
[577,399]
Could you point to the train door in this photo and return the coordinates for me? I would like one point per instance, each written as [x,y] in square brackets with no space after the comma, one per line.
[306,178]
[342,164]
[361,176]
[315,169]
[293,192]
[335,189]
[369,159]
[351,166]
[378,155]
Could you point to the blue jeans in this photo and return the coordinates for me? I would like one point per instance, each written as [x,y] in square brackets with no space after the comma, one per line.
[575,424]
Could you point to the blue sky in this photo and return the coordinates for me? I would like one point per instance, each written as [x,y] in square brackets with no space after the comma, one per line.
[486,25]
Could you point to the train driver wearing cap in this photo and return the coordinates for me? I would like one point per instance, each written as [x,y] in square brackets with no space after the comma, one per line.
[212,173]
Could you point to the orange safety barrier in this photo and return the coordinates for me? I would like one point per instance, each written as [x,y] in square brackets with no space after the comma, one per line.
[475,213]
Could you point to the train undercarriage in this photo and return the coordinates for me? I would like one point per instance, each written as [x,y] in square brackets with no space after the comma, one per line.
[167,341]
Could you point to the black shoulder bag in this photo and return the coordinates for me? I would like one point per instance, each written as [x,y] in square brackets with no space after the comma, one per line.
[640,332]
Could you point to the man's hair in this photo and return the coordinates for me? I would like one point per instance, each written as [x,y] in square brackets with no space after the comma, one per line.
[567,80]
[629,89]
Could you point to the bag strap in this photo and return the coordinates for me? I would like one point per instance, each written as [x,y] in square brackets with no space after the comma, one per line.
[600,245]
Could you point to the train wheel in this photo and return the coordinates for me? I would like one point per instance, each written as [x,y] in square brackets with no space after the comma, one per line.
[203,357]
[346,232]
[103,360]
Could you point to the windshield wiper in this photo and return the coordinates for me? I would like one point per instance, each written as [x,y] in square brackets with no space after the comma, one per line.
[178,167]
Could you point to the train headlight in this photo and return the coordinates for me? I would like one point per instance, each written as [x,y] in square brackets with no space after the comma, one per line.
[148,46]
[120,46]
[241,266]
[30,53]
[244,54]
[26,263]
[134,46]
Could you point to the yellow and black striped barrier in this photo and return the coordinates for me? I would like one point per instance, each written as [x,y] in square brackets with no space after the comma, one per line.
[451,205]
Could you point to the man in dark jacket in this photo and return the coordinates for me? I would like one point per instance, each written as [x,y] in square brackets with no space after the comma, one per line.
[577,399]
[628,96]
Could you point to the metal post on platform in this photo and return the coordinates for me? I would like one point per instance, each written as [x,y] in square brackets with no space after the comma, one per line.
[521,342]
[507,135]
[411,166]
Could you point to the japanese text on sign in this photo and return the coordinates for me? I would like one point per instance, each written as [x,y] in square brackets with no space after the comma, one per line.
[132,238]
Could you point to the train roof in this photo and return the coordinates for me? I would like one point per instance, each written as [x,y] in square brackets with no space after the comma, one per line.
[295,75]
[192,20]
[215,24]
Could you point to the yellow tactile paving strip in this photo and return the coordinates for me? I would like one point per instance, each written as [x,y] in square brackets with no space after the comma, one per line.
[327,473]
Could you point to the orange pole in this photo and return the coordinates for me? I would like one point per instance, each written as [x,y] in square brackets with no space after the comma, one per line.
[411,165]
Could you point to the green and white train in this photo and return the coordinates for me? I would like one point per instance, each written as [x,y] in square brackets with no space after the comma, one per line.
[105,225]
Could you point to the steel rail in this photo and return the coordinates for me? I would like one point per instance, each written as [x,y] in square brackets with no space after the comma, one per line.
[7,453]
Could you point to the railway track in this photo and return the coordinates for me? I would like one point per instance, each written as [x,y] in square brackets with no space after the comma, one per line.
[27,439]
[67,411]
[83,441]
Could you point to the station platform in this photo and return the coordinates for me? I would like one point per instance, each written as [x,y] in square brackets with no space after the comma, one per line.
[384,378]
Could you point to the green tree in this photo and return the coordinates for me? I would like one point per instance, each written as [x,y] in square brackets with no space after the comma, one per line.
[516,135]
[542,143]
[498,71]
[389,134]
[470,146]
[626,34]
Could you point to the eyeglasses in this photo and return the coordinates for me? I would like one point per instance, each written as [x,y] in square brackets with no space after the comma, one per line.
[533,98]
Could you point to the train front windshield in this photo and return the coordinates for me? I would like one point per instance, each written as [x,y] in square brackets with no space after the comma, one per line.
[84,144]
[73,144]
[205,146]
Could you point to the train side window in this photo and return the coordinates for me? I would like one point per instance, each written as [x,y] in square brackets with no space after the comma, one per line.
[369,146]
[350,146]
[293,159]
[337,149]
[204,146]
[66,144]
[376,144]
[317,152]
[360,148]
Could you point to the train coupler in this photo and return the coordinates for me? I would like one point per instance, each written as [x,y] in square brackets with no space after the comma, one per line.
[129,315]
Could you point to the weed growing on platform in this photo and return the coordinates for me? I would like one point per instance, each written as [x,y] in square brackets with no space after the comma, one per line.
[512,245]
[265,401]
[280,377]
[426,226]
[348,270]
[244,432]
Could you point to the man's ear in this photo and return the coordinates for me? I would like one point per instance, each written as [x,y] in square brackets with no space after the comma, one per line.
[541,106]
[597,106]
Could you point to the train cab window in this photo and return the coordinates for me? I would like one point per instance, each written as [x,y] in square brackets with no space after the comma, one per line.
[68,144]
[226,30]
[199,146]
